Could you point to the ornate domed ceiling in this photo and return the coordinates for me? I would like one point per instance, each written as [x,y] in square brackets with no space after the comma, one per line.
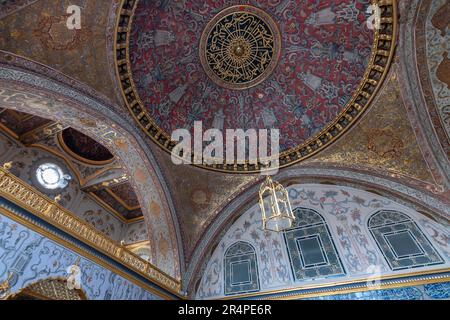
[308,68]
[84,148]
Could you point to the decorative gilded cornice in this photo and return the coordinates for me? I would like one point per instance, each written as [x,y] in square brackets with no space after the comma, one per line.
[352,286]
[25,196]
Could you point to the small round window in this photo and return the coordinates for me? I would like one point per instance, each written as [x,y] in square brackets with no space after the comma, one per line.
[51,176]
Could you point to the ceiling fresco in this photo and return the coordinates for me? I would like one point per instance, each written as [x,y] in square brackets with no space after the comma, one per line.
[179,64]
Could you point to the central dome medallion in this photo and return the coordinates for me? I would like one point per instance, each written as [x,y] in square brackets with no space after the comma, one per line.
[240,47]
[308,68]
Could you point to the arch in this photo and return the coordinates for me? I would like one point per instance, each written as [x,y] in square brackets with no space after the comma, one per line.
[65,100]
[401,241]
[311,249]
[49,289]
[240,269]
[408,195]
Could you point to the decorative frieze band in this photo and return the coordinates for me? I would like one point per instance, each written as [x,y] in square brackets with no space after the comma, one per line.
[25,196]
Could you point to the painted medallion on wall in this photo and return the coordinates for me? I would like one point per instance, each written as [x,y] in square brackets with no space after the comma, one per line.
[308,68]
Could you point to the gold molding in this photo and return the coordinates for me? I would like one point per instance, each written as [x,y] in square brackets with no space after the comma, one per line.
[397,283]
[383,50]
[106,206]
[25,196]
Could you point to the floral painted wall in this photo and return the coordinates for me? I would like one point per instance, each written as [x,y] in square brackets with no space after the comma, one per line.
[346,212]
[135,232]
[31,257]
[27,160]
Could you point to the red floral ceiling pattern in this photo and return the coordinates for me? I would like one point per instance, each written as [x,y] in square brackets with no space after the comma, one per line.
[326,48]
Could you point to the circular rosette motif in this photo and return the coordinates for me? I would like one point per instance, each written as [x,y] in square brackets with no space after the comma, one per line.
[307,68]
[240,47]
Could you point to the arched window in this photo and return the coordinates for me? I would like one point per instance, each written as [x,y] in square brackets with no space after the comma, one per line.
[241,269]
[311,249]
[401,241]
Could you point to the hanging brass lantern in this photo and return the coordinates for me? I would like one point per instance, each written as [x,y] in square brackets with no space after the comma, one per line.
[275,206]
